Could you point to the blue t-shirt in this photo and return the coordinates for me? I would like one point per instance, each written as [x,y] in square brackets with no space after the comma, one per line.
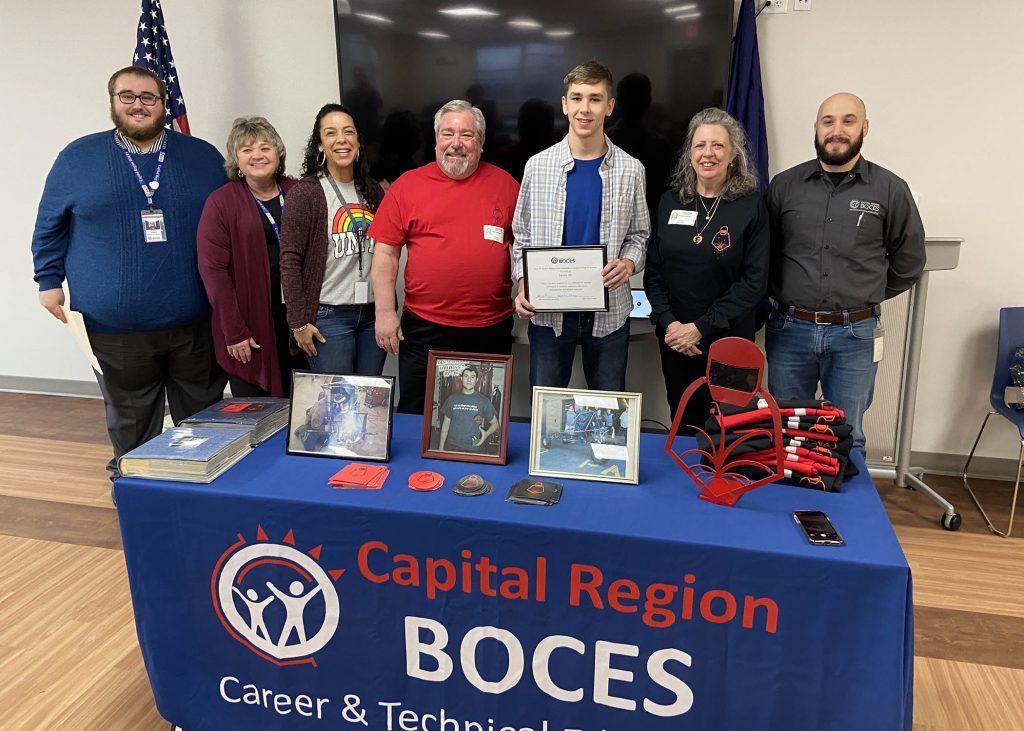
[583,204]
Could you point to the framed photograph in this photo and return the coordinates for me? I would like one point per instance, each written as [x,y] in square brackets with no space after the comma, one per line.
[585,435]
[465,416]
[341,416]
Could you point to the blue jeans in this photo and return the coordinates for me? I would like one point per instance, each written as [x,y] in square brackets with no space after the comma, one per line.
[351,346]
[800,354]
[604,359]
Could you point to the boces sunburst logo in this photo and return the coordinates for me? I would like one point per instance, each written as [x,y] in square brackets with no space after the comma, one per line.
[276,600]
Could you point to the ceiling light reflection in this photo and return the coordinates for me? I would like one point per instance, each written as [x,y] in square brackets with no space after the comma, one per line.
[374,18]
[468,11]
[524,23]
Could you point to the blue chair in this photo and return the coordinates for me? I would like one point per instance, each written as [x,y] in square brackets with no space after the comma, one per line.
[1011,336]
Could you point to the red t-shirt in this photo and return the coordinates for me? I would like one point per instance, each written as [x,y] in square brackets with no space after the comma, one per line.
[458,234]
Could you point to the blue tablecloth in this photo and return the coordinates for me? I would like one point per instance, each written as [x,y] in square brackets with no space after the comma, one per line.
[622,607]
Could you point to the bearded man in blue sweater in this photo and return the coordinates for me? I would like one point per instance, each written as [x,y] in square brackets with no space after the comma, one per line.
[118,220]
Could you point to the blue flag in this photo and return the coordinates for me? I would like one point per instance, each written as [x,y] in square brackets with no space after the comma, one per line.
[746,95]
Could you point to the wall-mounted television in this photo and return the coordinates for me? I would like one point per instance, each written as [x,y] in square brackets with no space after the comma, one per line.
[399,60]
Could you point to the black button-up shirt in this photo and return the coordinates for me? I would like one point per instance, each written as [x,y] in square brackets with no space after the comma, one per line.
[845,246]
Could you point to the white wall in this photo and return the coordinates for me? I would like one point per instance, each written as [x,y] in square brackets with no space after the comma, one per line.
[234,57]
[940,80]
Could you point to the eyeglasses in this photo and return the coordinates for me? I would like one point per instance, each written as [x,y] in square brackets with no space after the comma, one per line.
[128,97]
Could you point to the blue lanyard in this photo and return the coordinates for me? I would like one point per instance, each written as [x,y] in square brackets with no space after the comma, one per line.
[273,223]
[148,190]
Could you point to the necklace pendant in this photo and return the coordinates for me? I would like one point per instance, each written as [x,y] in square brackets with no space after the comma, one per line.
[697,239]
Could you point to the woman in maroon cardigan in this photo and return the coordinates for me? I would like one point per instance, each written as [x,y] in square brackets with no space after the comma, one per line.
[239,251]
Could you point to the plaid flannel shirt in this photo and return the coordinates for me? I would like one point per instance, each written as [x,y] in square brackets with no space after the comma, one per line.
[539,220]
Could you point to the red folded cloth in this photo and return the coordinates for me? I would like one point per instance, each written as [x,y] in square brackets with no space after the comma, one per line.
[355,476]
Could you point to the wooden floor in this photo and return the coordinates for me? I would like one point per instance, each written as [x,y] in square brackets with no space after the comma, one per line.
[69,658]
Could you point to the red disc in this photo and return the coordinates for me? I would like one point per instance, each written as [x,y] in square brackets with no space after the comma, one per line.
[425,481]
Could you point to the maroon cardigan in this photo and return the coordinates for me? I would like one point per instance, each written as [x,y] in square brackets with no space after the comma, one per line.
[304,242]
[235,268]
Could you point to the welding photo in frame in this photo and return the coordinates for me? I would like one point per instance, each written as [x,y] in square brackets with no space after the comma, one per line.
[341,416]
[467,407]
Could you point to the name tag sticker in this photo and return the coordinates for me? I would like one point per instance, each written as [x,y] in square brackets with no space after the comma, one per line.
[153,226]
[680,217]
[495,234]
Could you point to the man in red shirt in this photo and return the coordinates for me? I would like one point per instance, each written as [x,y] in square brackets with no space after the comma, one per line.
[454,216]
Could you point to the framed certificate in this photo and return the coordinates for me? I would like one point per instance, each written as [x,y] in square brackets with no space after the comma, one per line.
[565,278]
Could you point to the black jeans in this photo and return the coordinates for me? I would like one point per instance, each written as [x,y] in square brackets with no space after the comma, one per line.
[141,368]
[422,336]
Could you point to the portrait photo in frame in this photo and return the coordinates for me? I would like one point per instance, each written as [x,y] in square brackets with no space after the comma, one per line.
[585,435]
[341,416]
[467,407]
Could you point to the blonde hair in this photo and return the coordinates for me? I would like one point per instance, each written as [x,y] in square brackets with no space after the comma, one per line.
[247,130]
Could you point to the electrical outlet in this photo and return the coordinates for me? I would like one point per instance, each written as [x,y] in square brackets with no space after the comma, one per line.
[776,6]
[801,4]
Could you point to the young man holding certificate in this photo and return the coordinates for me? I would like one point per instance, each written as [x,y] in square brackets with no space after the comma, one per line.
[581,192]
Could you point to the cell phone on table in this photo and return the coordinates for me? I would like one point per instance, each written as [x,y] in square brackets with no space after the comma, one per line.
[817,527]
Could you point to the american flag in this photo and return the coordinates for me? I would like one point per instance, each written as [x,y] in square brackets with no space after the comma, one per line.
[153,52]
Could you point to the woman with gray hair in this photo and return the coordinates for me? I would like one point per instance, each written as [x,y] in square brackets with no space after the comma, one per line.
[707,260]
[239,248]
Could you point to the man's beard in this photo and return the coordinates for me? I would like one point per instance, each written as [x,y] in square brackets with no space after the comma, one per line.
[455,166]
[141,134]
[838,158]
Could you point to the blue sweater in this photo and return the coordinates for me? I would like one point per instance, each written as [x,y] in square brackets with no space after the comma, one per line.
[89,231]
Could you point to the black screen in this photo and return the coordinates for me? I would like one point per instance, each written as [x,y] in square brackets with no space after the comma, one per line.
[816,525]
[402,59]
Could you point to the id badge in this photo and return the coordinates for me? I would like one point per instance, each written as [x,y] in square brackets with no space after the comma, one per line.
[362,293]
[495,234]
[153,226]
[680,217]
[878,340]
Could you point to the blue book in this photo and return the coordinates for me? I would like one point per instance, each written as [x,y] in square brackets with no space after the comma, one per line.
[188,454]
[263,415]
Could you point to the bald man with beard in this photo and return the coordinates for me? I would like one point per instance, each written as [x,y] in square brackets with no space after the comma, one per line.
[845,235]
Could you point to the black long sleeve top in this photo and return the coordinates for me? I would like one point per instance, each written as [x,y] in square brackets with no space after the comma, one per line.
[714,284]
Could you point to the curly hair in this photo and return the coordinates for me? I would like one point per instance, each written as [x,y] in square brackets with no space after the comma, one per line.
[741,179]
[367,188]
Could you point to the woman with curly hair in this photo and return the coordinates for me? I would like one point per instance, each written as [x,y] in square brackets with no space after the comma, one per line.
[326,254]
[707,260]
